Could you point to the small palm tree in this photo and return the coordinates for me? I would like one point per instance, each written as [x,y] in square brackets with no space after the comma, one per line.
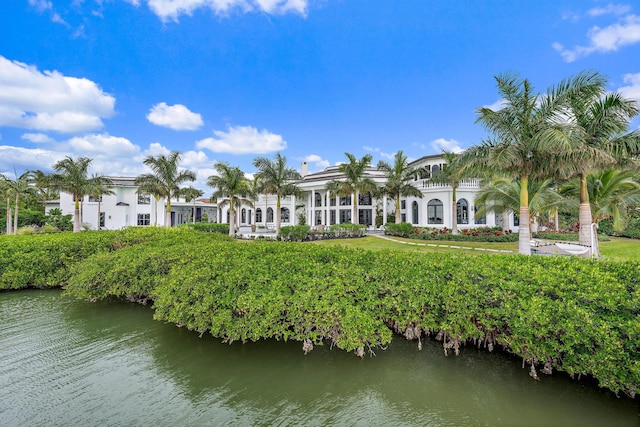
[72,178]
[165,179]
[230,185]
[191,194]
[275,177]
[354,182]
[399,176]
[99,186]
[22,186]
[611,193]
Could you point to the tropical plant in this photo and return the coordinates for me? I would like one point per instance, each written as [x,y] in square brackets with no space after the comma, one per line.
[56,218]
[355,181]
[277,178]
[16,189]
[191,194]
[44,187]
[165,179]
[399,177]
[595,138]
[525,134]
[99,186]
[230,185]
[6,194]
[610,193]
[72,177]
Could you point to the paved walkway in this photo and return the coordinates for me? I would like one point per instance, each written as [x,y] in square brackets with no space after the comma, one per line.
[505,251]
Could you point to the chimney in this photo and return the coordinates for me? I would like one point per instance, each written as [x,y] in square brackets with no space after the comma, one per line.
[304,170]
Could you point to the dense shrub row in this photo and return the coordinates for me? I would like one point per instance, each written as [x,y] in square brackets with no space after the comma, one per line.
[632,230]
[481,234]
[299,233]
[575,315]
[210,227]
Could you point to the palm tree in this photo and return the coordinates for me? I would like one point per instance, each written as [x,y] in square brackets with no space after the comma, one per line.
[191,194]
[525,134]
[72,178]
[6,193]
[276,178]
[505,192]
[399,176]
[452,175]
[355,181]
[230,184]
[165,179]
[99,186]
[43,184]
[596,139]
[20,187]
[155,190]
[611,192]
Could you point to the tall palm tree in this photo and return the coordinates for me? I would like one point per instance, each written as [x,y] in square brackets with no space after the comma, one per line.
[45,190]
[452,175]
[6,194]
[611,192]
[399,176]
[525,133]
[354,182]
[154,189]
[99,186]
[191,194]
[72,177]
[230,184]
[277,178]
[18,188]
[165,178]
[596,139]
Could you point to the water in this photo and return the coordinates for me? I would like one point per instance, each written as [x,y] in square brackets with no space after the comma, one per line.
[70,363]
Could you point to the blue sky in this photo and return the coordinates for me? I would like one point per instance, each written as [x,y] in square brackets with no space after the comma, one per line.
[228,80]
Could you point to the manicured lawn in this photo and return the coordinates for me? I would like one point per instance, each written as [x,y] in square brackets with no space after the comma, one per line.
[618,248]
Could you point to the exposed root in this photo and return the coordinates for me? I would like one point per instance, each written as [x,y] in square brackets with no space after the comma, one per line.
[307,346]
[360,352]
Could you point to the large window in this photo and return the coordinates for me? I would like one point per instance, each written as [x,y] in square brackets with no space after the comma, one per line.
[332,201]
[479,219]
[332,217]
[269,215]
[318,200]
[403,204]
[414,212]
[462,211]
[435,212]
[318,218]
[345,216]
[243,216]
[95,199]
[102,217]
[144,219]
[258,215]
[284,214]
[365,199]
[144,199]
[345,201]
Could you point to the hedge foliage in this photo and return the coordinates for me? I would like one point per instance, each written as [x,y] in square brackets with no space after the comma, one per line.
[570,314]
[480,234]
[211,227]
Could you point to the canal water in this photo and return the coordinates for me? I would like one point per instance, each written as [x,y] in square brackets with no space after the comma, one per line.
[70,363]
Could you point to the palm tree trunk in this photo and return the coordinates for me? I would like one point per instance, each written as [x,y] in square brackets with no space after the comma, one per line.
[76,215]
[15,215]
[454,213]
[355,208]
[8,216]
[505,219]
[99,212]
[398,215]
[524,237]
[278,214]
[584,214]
[194,211]
[167,216]
[232,220]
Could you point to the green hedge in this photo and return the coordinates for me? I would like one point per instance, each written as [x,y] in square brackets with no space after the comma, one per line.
[210,227]
[574,315]
[294,233]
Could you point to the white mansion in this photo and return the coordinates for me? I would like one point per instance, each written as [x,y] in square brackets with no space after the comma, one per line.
[317,208]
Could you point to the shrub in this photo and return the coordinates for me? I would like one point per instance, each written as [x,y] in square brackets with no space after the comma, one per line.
[348,230]
[209,227]
[295,233]
[402,229]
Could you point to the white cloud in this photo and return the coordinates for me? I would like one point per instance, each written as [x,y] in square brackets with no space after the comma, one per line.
[195,159]
[632,90]
[243,140]
[38,138]
[449,145]
[610,9]
[41,5]
[155,149]
[103,144]
[317,162]
[22,159]
[498,105]
[608,39]
[48,100]
[176,117]
[380,152]
[171,10]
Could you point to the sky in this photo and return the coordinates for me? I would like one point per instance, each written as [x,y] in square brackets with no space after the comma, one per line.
[230,80]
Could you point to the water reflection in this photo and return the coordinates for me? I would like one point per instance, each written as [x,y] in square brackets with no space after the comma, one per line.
[75,363]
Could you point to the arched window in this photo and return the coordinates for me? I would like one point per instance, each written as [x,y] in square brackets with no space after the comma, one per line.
[435,212]
[462,211]
[269,215]
[318,200]
[258,215]
[414,212]
[244,216]
[284,214]
[435,170]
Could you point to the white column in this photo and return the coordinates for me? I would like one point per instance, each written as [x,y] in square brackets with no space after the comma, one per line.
[292,213]
[384,209]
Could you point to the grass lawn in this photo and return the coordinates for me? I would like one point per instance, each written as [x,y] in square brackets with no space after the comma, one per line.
[618,248]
